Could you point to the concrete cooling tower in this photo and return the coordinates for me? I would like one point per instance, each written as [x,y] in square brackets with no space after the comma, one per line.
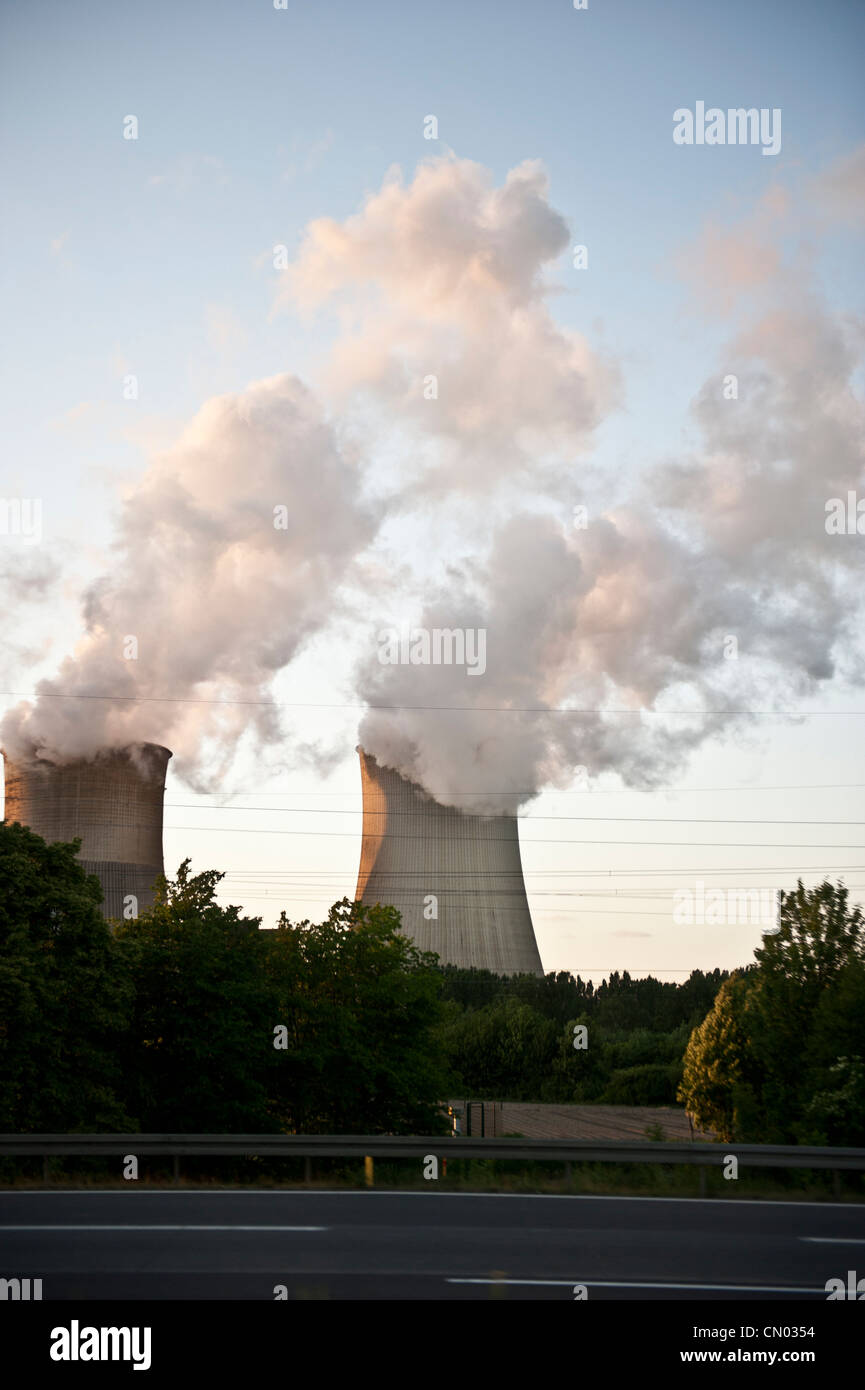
[424,858]
[113,803]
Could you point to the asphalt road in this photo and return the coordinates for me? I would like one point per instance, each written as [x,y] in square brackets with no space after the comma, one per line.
[425,1245]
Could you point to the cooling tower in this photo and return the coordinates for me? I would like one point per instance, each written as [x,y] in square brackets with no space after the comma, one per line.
[424,858]
[112,803]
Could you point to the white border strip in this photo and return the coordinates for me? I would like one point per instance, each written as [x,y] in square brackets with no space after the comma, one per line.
[635,1284]
[106,1226]
[719,1202]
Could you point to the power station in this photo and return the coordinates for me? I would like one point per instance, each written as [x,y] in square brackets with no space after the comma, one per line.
[112,803]
[456,878]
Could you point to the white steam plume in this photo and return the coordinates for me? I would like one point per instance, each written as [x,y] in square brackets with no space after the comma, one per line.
[215,593]
[634,611]
[444,277]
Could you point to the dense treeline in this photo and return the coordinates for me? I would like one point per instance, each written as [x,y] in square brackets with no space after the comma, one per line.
[191,1018]
[513,1039]
[781,1056]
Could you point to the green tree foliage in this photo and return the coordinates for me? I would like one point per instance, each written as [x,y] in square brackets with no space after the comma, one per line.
[778,1058]
[504,1050]
[620,1003]
[836,1114]
[716,1061]
[360,1002]
[511,1038]
[64,1003]
[168,1023]
[653,1083]
[196,1055]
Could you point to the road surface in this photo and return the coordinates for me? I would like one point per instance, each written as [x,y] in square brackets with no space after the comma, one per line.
[234,1245]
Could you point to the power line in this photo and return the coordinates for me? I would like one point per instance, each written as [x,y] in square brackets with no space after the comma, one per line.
[468,709]
[571,912]
[552,791]
[588,873]
[608,894]
[598,820]
[535,840]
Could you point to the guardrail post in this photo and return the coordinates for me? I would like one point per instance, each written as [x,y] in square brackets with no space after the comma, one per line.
[567,1172]
[307,1170]
[702,1180]
[176,1168]
[369,1171]
[46,1169]
[836,1184]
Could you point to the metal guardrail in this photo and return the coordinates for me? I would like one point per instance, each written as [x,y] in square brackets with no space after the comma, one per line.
[391,1146]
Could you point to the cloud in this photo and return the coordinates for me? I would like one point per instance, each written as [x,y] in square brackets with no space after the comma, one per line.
[623,624]
[726,263]
[840,190]
[440,293]
[633,614]
[217,598]
[28,577]
[610,619]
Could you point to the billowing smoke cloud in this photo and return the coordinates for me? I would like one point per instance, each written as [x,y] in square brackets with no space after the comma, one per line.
[447,350]
[28,577]
[229,555]
[638,611]
[757,495]
[445,323]
[611,622]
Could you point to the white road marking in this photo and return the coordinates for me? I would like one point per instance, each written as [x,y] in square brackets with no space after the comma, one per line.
[157,1226]
[635,1284]
[416,1192]
[834,1240]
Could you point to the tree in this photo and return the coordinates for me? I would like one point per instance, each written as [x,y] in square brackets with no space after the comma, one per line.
[64,1004]
[817,935]
[787,1030]
[835,1113]
[504,1051]
[170,1023]
[197,1053]
[716,1062]
[360,1004]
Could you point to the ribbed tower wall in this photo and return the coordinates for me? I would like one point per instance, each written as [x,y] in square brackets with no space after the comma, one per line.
[112,803]
[413,848]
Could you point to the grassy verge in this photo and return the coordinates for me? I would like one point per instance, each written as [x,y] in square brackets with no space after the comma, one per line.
[462,1175]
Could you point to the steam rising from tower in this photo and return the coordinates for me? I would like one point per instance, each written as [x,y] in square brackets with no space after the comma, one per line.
[456,879]
[624,632]
[112,803]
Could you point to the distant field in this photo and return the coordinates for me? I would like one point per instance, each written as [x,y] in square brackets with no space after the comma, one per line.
[581,1121]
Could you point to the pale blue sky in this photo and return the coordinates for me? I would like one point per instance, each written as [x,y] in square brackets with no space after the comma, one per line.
[154,256]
